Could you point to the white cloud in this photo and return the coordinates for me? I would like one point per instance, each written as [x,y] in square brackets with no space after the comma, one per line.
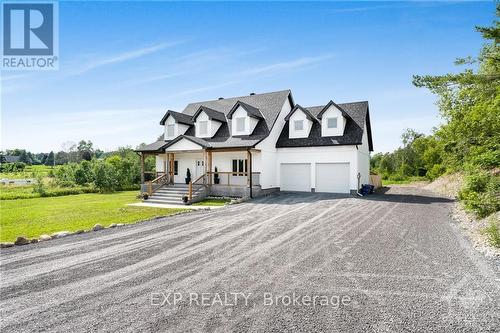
[121,57]
[286,65]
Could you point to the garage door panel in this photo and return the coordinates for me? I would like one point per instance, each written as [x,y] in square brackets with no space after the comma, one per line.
[332,177]
[295,177]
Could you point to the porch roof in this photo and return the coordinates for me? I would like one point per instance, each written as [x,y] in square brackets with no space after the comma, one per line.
[241,142]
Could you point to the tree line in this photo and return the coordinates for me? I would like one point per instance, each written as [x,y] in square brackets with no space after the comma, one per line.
[469,140]
[83,150]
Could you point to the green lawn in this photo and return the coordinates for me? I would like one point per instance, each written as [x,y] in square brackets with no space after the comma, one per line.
[212,202]
[33,217]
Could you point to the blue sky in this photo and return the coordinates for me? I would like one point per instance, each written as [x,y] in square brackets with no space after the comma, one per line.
[122,64]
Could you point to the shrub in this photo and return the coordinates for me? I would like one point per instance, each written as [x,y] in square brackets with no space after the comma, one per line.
[493,233]
[39,186]
[436,171]
[481,193]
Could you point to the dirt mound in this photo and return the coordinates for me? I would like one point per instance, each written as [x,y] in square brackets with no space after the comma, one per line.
[447,185]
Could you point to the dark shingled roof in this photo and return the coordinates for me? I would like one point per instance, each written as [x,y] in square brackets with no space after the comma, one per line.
[358,116]
[179,117]
[251,111]
[268,105]
[211,113]
[154,147]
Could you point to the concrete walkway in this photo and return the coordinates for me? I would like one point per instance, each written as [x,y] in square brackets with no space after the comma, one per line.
[154,205]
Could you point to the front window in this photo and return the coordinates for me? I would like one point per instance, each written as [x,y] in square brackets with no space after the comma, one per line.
[203,127]
[170,130]
[298,125]
[240,124]
[239,167]
[332,122]
[176,168]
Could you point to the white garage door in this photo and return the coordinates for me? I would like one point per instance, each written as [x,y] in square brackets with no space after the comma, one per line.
[332,177]
[295,177]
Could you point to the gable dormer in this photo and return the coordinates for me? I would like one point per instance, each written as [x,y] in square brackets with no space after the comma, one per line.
[207,122]
[333,120]
[300,122]
[176,124]
[244,118]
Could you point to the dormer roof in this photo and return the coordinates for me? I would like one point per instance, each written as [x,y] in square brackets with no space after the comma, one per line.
[251,110]
[327,106]
[211,113]
[181,118]
[306,112]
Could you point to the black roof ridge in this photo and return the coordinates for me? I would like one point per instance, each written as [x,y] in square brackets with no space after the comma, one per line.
[266,93]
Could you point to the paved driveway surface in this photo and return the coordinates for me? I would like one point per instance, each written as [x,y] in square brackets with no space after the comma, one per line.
[389,262]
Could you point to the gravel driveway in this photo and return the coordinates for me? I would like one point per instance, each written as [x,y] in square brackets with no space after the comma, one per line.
[295,262]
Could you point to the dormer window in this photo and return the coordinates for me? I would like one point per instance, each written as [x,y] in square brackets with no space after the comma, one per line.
[203,127]
[175,124]
[298,125]
[170,130]
[332,122]
[240,124]
[207,121]
[244,118]
[300,122]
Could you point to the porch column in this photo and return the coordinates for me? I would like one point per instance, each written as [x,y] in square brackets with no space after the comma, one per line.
[172,166]
[165,164]
[142,168]
[209,166]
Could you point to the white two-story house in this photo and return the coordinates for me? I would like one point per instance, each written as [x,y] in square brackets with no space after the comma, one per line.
[255,144]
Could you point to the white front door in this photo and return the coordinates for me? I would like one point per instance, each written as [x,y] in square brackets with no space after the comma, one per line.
[200,169]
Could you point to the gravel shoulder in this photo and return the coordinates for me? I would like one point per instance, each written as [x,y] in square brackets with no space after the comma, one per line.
[396,257]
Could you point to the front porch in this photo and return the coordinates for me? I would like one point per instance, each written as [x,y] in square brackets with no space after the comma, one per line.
[229,172]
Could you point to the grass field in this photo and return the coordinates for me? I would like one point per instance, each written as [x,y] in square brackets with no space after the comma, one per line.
[33,217]
[29,172]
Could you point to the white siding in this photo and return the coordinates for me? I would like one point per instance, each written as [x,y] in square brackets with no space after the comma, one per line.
[364,159]
[269,177]
[182,145]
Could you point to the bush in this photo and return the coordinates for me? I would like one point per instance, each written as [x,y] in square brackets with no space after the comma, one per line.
[436,171]
[493,233]
[481,193]
[39,186]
